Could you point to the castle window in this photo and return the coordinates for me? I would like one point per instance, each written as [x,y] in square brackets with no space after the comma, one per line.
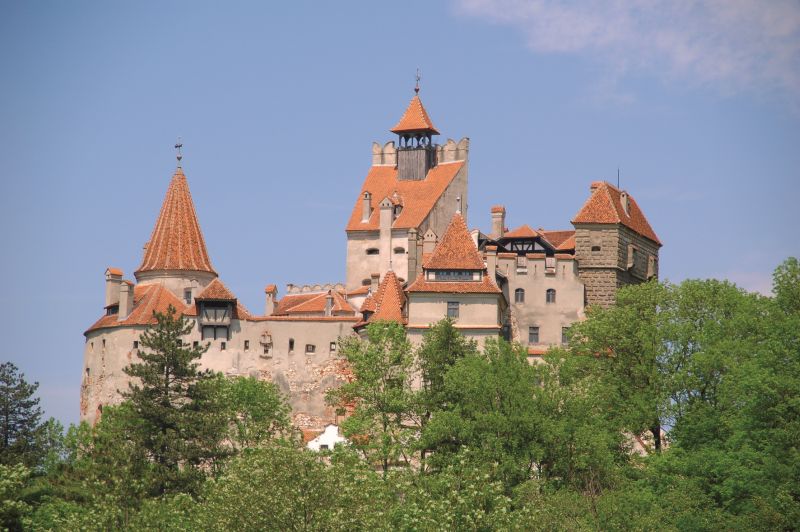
[247,345]
[87,372]
[550,295]
[452,309]
[595,248]
[112,309]
[104,345]
[452,275]
[195,344]
[222,346]
[399,250]
[397,210]
[631,256]
[136,344]
[291,345]
[211,332]
[311,348]
[333,347]
[564,335]
[366,282]
[533,335]
[91,347]
[187,295]
[651,267]
[519,295]
[372,251]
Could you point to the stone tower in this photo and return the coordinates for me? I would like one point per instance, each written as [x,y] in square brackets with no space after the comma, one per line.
[614,243]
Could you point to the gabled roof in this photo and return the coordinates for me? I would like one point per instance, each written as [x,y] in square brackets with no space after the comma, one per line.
[604,206]
[389,300]
[484,286]
[415,119]
[146,300]
[216,291]
[456,251]
[419,197]
[314,303]
[523,231]
[560,239]
[176,242]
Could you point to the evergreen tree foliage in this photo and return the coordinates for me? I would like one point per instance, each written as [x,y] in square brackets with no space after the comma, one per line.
[180,425]
[19,418]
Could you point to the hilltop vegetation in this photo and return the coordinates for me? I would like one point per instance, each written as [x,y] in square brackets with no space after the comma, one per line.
[677,409]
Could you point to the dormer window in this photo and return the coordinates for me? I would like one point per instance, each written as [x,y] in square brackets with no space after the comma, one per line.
[112,309]
[397,210]
[453,275]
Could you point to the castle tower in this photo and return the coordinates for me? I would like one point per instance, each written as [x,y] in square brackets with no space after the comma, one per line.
[176,255]
[410,189]
[614,243]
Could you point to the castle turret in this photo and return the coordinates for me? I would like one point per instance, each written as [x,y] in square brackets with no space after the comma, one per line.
[415,151]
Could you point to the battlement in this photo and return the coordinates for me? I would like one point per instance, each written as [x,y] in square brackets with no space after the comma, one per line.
[448,152]
[313,288]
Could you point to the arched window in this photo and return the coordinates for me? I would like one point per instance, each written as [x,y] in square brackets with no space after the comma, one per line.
[399,250]
[519,295]
[551,295]
[372,251]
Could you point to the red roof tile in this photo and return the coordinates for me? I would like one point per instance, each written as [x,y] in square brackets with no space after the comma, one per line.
[419,197]
[361,290]
[216,291]
[146,300]
[389,300]
[523,231]
[456,251]
[415,119]
[369,304]
[484,286]
[114,271]
[498,208]
[177,242]
[560,238]
[604,206]
[303,303]
[271,289]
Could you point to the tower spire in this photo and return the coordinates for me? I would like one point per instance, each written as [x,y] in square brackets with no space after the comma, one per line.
[416,87]
[179,155]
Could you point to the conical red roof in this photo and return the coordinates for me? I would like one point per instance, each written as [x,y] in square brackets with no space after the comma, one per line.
[177,242]
[457,250]
[389,300]
[415,119]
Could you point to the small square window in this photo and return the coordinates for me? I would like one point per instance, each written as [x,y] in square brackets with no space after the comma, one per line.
[223,346]
[247,345]
[323,447]
[195,344]
[136,344]
[310,348]
[533,335]
[452,309]
[333,347]
[187,296]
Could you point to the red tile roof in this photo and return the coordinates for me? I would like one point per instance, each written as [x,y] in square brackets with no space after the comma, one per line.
[484,286]
[216,291]
[361,290]
[114,271]
[415,119]
[271,289]
[456,251]
[294,304]
[146,300]
[389,300]
[523,231]
[560,239]
[177,242]
[419,197]
[369,304]
[498,208]
[604,206]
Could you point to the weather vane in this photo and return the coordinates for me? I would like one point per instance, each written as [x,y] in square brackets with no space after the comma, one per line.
[416,87]
[178,146]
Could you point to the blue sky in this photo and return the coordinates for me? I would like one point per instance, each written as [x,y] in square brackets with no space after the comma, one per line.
[697,103]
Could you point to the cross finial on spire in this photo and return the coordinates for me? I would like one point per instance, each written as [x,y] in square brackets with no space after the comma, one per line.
[179,156]
[416,87]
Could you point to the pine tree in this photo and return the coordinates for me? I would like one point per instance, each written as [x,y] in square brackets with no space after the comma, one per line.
[180,421]
[19,417]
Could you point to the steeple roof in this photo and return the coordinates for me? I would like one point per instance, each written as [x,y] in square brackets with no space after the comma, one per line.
[389,300]
[177,242]
[605,206]
[457,250]
[415,119]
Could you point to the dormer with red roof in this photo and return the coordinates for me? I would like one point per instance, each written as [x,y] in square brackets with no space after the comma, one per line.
[614,243]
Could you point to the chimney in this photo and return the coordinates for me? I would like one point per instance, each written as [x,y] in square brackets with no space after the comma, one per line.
[374,281]
[491,260]
[498,221]
[270,291]
[125,300]
[623,198]
[113,280]
[329,304]
[412,254]
[428,242]
[366,210]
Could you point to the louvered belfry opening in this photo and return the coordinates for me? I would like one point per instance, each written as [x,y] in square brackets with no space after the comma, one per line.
[415,158]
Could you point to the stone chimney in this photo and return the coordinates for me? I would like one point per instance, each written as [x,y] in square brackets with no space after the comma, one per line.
[329,304]
[271,291]
[125,300]
[429,242]
[113,280]
[491,260]
[498,221]
[366,210]
[412,254]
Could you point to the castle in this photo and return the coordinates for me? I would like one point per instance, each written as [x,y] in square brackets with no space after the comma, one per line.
[411,258]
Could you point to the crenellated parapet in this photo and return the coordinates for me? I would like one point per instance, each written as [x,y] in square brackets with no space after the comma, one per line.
[312,288]
[450,151]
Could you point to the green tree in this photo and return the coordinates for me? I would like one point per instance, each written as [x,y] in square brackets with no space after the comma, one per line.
[19,417]
[379,394]
[179,423]
[256,410]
